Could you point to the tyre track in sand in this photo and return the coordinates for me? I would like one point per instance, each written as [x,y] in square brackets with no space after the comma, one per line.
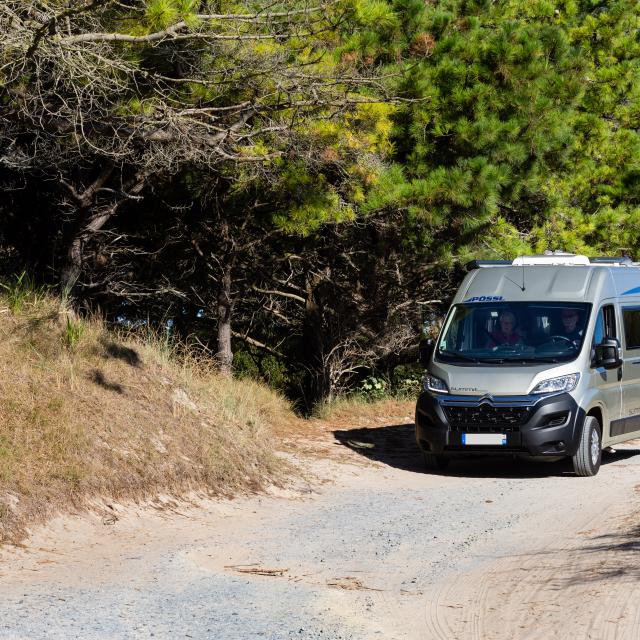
[584,585]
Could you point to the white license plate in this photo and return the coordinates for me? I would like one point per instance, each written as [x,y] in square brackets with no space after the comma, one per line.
[484,438]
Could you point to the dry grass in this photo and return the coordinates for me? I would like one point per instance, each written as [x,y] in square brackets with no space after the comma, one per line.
[355,410]
[86,414]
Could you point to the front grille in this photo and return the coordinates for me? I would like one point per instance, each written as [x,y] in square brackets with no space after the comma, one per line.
[486,418]
[483,428]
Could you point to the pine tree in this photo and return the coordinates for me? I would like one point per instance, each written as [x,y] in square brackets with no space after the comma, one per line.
[596,195]
[495,86]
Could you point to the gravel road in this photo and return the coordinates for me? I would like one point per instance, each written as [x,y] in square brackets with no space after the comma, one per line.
[370,547]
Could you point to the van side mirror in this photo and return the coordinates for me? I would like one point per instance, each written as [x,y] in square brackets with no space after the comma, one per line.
[426,351]
[607,354]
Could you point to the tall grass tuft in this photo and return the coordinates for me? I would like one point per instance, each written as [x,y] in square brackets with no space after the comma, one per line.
[22,291]
[73,331]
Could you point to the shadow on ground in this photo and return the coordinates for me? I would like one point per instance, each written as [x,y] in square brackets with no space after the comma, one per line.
[621,560]
[395,446]
[612,557]
[120,352]
[98,377]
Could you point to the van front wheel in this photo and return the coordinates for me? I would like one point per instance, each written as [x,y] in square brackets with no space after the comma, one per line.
[586,461]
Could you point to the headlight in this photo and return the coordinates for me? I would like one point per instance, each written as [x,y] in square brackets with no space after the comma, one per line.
[431,383]
[553,385]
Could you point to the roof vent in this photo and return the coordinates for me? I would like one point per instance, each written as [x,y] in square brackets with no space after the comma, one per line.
[555,258]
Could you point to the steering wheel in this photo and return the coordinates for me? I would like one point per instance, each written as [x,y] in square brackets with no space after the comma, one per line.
[561,339]
[505,347]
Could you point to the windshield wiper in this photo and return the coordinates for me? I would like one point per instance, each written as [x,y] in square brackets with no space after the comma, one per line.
[455,354]
[522,360]
[495,360]
[543,359]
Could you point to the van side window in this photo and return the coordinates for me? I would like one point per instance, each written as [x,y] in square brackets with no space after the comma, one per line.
[605,324]
[609,322]
[631,318]
[598,332]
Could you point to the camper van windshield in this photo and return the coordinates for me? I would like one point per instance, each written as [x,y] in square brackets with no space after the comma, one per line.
[517,332]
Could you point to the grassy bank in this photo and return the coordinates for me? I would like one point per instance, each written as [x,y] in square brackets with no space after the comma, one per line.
[88,414]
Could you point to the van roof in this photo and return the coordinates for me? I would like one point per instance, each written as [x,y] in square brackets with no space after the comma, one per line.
[572,282]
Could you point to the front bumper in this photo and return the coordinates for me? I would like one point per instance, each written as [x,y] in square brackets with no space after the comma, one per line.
[534,425]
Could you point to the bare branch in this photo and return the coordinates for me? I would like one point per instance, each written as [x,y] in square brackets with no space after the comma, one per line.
[282,294]
[256,343]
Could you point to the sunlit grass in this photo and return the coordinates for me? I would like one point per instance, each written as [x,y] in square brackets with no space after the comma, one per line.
[88,413]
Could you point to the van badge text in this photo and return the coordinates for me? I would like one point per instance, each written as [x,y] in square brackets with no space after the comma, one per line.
[485,299]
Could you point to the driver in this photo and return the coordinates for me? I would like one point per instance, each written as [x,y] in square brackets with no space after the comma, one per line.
[507,334]
[571,328]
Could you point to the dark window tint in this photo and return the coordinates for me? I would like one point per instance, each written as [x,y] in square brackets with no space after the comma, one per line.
[609,322]
[518,332]
[605,324]
[631,318]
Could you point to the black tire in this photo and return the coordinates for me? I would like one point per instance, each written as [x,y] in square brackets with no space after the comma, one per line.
[586,461]
[436,463]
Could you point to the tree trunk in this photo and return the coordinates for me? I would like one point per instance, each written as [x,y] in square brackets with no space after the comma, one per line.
[91,217]
[318,387]
[225,308]
[72,266]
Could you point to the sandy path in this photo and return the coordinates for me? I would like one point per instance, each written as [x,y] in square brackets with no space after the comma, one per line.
[373,547]
[582,584]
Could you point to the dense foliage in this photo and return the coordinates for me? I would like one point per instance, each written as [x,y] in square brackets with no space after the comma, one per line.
[294,185]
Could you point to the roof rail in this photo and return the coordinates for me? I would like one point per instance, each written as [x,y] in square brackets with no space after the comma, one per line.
[476,264]
[554,258]
[606,260]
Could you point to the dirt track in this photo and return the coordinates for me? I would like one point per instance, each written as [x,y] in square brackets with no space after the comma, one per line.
[372,547]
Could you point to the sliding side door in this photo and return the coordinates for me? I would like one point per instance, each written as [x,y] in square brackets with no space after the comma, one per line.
[631,372]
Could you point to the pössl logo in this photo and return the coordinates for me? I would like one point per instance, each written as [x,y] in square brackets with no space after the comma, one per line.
[485,299]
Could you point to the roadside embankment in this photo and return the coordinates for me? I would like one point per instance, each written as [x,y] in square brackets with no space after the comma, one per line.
[87,414]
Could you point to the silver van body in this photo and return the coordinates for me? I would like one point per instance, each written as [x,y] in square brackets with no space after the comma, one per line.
[488,390]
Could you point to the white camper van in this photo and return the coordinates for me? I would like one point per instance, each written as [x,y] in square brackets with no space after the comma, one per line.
[537,357]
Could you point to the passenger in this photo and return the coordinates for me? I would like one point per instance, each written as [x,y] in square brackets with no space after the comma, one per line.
[507,334]
[571,327]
